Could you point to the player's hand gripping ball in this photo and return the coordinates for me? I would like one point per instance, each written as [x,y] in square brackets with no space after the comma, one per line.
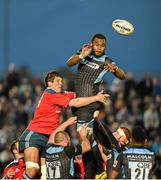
[123,27]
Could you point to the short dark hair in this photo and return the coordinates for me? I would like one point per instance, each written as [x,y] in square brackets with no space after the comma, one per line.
[50,76]
[99,36]
[59,136]
[13,146]
[138,134]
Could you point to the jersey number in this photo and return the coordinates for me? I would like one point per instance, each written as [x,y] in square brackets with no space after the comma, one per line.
[53,172]
[139,173]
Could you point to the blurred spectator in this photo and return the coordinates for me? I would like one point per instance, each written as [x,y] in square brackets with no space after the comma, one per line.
[12,77]
[129,84]
[151,118]
[145,86]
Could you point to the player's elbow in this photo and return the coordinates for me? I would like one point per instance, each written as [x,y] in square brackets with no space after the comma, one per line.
[69,64]
[122,77]
[74,103]
[120,74]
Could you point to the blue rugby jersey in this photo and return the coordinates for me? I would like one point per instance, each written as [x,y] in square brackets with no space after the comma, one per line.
[137,163]
[60,161]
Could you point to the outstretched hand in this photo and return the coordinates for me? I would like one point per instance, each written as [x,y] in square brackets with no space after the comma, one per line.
[86,50]
[103,97]
[110,67]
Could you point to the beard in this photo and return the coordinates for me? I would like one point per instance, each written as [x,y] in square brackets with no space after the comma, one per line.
[97,56]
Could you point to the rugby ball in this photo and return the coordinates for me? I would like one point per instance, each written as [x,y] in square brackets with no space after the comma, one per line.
[122,26]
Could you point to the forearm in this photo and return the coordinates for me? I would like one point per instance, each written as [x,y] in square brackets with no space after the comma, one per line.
[61,127]
[119,73]
[85,145]
[82,101]
[73,60]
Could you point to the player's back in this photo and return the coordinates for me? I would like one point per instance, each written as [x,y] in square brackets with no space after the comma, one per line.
[138,163]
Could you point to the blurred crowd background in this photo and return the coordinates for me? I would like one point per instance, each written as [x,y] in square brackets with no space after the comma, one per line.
[132,102]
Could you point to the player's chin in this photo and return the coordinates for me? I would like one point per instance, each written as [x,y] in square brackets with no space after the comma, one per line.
[98,54]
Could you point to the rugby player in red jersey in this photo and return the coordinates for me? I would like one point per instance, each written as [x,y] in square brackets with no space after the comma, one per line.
[46,120]
[16,168]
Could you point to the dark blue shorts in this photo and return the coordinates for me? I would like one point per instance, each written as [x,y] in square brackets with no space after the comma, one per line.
[32,139]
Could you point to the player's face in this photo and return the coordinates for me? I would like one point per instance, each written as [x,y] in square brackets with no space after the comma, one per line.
[121,139]
[98,46]
[57,84]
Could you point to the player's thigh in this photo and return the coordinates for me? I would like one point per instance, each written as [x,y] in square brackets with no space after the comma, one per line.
[32,144]
[31,154]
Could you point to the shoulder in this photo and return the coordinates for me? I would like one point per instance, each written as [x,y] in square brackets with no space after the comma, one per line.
[73,150]
[50,90]
[52,148]
[13,163]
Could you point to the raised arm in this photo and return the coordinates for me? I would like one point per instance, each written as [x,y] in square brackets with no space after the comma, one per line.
[84,140]
[85,51]
[83,101]
[62,127]
[113,68]
[73,60]
[120,73]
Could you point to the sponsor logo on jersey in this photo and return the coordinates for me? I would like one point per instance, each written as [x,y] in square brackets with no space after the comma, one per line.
[90,64]
[139,156]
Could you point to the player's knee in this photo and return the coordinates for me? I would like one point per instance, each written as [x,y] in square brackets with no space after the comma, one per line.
[33,170]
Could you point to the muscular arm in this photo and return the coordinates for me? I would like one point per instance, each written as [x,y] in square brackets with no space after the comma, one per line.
[120,74]
[85,51]
[84,140]
[73,60]
[113,68]
[62,127]
[83,101]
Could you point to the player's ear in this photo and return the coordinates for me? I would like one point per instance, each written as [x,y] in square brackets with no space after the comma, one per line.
[49,84]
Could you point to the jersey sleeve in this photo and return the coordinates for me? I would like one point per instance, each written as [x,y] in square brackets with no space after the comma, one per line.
[72,151]
[62,99]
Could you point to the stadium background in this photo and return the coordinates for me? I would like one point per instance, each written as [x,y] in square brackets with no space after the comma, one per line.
[42,34]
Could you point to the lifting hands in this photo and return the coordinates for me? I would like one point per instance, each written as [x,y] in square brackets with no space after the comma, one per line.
[103,97]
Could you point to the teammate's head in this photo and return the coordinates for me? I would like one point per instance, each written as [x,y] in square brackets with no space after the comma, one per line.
[123,135]
[54,80]
[138,135]
[98,44]
[62,138]
[14,148]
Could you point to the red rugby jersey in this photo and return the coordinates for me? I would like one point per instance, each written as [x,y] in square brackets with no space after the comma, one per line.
[48,111]
[18,167]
